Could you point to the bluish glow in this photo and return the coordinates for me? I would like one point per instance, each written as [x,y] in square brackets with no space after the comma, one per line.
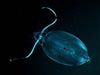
[34,47]
[40,36]
[82,61]
[64,48]
[82,45]
[51,23]
[60,46]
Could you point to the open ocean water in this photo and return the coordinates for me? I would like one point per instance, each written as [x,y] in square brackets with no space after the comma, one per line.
[79,17]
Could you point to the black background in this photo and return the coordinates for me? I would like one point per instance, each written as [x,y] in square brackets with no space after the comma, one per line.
[79,17]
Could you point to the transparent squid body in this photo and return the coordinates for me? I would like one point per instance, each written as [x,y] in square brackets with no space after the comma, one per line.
[60,46]
[64,48]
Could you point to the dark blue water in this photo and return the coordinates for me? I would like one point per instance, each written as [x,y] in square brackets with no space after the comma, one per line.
[81,18]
